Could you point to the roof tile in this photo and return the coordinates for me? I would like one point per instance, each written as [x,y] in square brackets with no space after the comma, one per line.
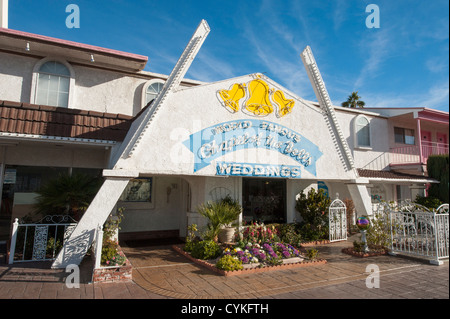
[24,118]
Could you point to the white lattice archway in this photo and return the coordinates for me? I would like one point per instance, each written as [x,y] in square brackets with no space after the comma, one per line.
[337,216]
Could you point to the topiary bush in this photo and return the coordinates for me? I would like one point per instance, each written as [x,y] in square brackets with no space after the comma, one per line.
[206,249]
[229,263]
[313,209]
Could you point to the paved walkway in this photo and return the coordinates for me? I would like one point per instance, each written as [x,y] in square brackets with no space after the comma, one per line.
[159,272]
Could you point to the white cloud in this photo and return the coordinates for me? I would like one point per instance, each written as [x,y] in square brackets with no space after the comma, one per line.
[376,47]
[435,96]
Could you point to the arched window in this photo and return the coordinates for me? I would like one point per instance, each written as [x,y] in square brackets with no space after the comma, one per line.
[362,131]
[53,80]
[151,91]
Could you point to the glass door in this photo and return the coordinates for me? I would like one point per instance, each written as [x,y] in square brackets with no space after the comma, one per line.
[264,200]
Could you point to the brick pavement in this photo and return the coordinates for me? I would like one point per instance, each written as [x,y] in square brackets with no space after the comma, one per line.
[160,273]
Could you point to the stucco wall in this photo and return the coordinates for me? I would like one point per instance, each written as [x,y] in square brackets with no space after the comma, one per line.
[95,89]
[373,157]
[192,110]
[166,212]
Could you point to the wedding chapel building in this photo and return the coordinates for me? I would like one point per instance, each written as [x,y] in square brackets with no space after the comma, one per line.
[165,144]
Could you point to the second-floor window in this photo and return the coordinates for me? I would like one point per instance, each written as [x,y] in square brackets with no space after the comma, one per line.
[404,136]
[53,84]
[152,91]
[362,129]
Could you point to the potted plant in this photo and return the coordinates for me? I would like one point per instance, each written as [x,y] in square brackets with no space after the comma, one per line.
[221,215]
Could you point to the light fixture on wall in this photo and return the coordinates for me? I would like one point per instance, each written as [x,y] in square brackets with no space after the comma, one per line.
[27,48]
[92,58]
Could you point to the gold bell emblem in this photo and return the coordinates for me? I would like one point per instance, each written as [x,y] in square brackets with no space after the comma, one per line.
[231,97]
[259,102]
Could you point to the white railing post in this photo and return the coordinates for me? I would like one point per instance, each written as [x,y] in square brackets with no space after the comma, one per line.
[98,247]
[12,249]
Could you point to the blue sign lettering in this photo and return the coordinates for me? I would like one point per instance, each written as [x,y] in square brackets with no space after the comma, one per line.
[257,170]
[218,140]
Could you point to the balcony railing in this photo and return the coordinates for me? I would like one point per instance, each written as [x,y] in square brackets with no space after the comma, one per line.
[411,154]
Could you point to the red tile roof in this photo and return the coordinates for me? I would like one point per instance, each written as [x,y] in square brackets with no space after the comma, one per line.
[23,118]
[390,175]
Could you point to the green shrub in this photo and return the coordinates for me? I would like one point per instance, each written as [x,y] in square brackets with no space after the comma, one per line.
[53,245]
[438,168]
[429,202]
[312,253]
[313,209]
[206,249]
[191,238]
[109,251]
[358,246]
[229,263]
[288,234]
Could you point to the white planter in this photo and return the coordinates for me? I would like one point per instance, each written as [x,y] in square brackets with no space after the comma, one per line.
[226,235]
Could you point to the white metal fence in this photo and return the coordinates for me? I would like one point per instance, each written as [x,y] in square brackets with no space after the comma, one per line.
[40,241]
[337,216]
[419,232]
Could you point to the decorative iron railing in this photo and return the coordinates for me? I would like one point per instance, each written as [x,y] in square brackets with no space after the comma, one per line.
[40,241]
[417,231]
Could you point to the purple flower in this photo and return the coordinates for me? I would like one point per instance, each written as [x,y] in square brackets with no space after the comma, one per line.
[255,251]
[244,259]
[240,253]
[286,253]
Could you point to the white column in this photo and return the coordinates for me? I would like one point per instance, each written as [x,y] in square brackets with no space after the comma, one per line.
[4,14]
[361,198]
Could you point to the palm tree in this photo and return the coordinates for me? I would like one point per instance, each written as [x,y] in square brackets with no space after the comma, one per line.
[353,101]
[67,194]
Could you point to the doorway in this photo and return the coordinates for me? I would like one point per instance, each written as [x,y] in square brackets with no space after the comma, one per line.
[264,200]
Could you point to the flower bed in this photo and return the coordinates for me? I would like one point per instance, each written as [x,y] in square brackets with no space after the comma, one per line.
[257,259]
[118,269]
[371,253]
[267,254]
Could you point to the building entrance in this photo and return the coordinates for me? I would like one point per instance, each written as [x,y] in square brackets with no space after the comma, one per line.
[264,200]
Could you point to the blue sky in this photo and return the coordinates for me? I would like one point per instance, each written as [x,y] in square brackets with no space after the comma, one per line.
[404,63]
